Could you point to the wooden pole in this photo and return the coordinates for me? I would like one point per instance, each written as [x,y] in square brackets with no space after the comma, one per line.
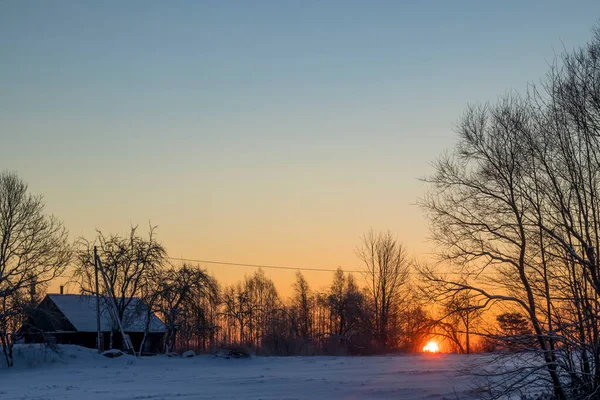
[126,339]
[468,325]
[99,337]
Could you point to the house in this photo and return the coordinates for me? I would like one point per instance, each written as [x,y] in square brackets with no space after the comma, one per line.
[71,319]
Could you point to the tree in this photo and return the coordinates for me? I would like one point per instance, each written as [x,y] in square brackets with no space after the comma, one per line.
[129,264]
[387,271]
[460,316]
[149,293]
[250,306]
[478,215]
[516,210]
[34,249]
[513,324]
[263,301]
[302,304]
[348,315]
[199,319]
[337,303]
[416,325]
[178,289]
[515,330]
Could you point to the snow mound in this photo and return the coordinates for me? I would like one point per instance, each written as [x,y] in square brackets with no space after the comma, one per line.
[188,354]
[113,353]
[232,353]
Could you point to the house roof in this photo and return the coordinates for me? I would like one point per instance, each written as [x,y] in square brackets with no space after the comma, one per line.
[80,310]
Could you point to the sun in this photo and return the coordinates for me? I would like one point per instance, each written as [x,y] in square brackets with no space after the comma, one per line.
[431,347]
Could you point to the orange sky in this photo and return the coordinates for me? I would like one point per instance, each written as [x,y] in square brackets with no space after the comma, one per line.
[327,248]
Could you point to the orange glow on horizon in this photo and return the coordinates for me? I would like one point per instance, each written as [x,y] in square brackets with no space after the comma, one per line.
[431,347]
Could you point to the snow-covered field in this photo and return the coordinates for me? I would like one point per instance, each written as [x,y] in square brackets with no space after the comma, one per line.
[80,373]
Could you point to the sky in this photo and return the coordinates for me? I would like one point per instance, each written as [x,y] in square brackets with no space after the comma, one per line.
[264,132]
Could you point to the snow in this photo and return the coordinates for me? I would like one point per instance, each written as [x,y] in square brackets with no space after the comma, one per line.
[188,354]
[81,373]
[80,310]
[112,353]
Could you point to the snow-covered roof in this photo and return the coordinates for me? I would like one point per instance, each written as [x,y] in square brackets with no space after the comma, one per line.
[80,310]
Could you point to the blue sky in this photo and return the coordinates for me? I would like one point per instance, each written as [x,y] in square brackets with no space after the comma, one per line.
[265,132]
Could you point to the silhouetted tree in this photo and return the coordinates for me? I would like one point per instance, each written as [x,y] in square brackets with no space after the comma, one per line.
[249,306]
[416,326]
[302,305]
[516,210]
[515,330]
[387,270]
[129,264]
[34,249]
[178,289]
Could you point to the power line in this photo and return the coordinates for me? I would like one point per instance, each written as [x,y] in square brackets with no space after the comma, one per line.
[261,266]
[286,267]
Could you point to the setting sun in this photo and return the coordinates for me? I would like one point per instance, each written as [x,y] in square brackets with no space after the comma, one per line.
[431,347]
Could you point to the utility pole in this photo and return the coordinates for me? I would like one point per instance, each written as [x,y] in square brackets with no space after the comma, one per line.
[126,339]
[468,322]
[99,337]
[468,327]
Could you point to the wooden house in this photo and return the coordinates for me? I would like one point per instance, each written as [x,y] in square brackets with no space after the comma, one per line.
[72,319]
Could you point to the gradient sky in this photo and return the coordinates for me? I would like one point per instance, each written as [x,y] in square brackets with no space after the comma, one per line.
[272,132]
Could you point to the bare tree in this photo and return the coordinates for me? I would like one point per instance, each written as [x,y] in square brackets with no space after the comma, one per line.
[263,300]
[198,325]
[460,315]
[129,263]
[250,307]
[478,214]
[516,209]
[302,304]
[34,249]
[348,317]
[416,326]
[177,289]
[387,270]
[150,292]
[236,310]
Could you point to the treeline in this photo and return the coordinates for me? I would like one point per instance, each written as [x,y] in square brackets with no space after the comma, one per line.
[371,313]
[348,317]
